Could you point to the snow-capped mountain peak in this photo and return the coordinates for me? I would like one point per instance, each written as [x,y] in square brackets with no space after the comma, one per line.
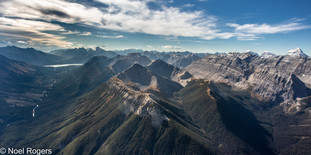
[296,52]
[251,52]
[267,54]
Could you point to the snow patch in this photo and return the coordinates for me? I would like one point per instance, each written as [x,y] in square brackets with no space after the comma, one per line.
[296,52]
[63,65]
[251,52]
[267,54]
[154,82]
[34,110]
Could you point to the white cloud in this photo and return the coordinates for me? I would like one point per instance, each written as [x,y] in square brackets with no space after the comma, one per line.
[92,46]
[254,31]
[77,32]
[30,24]
[112,37]
[188,5]
[21,42]
[170,47]
[32,31]
[86,34]
[266,28]
[71,32]
[59,10]
[245,36]
[121,15]
[149,46]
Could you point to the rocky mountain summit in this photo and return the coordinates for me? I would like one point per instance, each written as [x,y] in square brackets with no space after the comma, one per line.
[296,52]
[278,79]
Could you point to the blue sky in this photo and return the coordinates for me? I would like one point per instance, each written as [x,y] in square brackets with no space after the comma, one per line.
[175,25]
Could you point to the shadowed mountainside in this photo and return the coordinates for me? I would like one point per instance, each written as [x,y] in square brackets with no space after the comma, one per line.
[30,55]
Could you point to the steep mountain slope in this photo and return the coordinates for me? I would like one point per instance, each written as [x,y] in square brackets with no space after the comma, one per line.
[238,123]
[85,78]
[226,117]
[112,119]
[273,78]
[21,87]
[23,80]
[30,55]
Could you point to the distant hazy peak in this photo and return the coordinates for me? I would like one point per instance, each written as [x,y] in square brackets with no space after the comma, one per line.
[134,54]
[296,52]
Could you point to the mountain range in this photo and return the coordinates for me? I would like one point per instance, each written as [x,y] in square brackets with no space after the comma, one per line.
[156,103]
[29,55]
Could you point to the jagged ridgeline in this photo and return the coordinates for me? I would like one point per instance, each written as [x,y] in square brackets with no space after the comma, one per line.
[136,103]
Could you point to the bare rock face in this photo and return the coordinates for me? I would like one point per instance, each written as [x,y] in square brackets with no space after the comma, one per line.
[280,79]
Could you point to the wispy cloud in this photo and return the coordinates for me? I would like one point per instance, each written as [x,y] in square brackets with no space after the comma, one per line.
[21,42]
[30,24]
[267,29]
[71,32]
[77,33]
[112,37]
[170,47]
[32,31]
[254,31]
[188,5]
[86,34]
[50,10]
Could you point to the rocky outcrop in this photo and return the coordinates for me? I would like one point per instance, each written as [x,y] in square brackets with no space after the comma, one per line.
[280,79]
